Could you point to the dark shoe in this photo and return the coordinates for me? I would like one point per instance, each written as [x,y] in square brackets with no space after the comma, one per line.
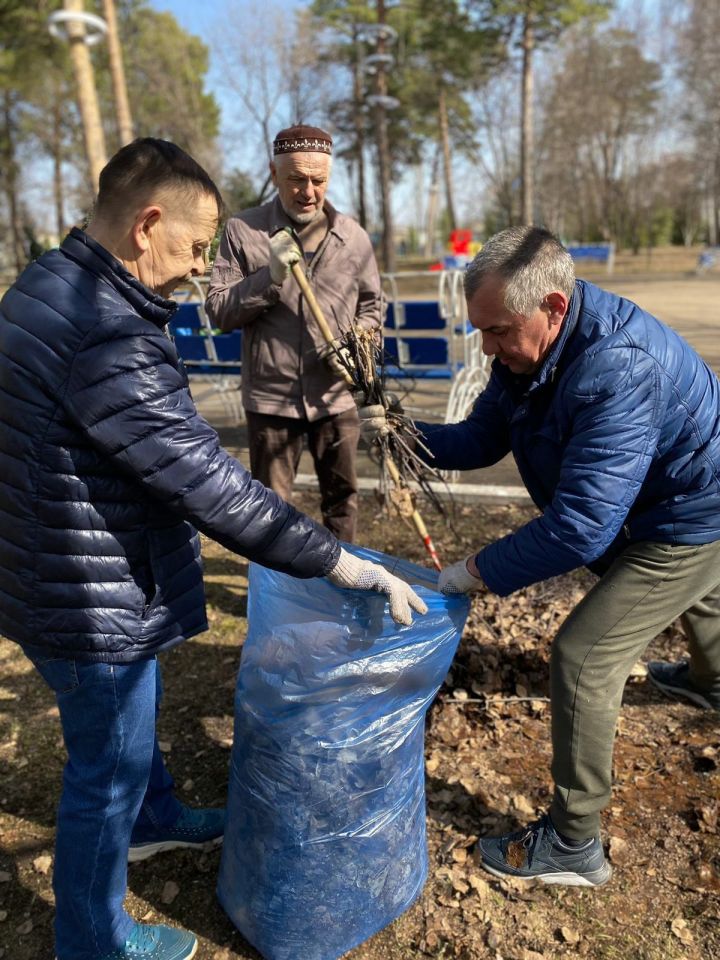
[156,943]
[674,679]
[538,853]
[201,829]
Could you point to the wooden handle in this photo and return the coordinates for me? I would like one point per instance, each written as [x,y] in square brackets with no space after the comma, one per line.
[306,290]
[416,518]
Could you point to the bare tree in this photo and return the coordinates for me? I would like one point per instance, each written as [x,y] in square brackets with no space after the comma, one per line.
[700,47]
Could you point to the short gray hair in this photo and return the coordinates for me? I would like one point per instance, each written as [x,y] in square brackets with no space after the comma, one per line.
[530,261]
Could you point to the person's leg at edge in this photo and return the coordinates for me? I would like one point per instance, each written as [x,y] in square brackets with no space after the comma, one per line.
[647,587]
[275,445]
[701,624]
[333,444]
[107,713]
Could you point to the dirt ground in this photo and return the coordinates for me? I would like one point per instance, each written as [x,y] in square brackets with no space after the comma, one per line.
[487,750]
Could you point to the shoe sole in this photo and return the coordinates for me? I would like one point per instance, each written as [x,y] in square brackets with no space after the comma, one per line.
[697,698]
[147,850]
[597,878]
[189,956]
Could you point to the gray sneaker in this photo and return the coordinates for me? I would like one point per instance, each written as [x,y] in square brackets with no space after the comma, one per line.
[538,853]
[674,679]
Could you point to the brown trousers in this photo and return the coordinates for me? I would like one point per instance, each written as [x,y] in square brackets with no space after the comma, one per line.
[276,444]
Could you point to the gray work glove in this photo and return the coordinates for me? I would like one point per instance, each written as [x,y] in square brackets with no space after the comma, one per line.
[373,422]
[457,578]
[329,354]
[284,252]
[355,574]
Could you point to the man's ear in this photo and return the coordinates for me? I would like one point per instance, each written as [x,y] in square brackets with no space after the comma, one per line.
[556,304]
[144,226]
[273,173]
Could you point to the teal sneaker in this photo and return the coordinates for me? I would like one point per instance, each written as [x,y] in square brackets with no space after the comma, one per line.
[674,679]
[200,829]
[538,853]
[156,943]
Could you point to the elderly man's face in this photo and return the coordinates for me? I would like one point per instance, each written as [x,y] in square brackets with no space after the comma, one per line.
[301,180]
[519,342]
[179,244]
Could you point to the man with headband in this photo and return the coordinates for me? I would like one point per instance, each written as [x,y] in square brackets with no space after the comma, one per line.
[292,386]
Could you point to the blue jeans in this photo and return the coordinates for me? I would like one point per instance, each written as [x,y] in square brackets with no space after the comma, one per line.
[114,781]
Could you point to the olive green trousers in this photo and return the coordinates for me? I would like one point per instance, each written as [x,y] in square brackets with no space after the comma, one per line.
[645,589]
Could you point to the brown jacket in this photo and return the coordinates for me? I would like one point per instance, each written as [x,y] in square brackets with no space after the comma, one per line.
[282,372]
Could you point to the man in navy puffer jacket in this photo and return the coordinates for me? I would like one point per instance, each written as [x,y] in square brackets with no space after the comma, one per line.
[107,469]
[614,422]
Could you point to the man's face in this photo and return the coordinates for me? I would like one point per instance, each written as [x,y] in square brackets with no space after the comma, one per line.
[519,342]
[179,243]
[301,180]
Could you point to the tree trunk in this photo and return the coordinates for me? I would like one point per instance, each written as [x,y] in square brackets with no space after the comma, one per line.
[432,206]
[447,161]
[388,247]
[117,73]
[11,169]
[57,157]
[87,95]
[359,124]
[526,132]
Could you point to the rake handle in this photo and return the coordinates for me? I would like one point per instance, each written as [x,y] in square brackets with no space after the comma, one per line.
[306,290]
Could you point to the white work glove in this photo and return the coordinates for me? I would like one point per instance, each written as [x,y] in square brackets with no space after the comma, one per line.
[457,578]
[329,354]
[284,252]
[355,574]
[373,422]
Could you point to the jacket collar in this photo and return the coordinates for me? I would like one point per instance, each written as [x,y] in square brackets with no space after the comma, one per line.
[87,252]
[547,369]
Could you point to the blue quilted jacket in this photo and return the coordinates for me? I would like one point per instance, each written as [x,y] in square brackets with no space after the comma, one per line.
[616,437]
[106,468]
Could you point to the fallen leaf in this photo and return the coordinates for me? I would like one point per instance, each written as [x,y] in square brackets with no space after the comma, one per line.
[5,877]
[169,892]
[522,804]
[42,863]
[165,745]
[569,935]
[680,928]
[25,927]
[619,850]
[479,884]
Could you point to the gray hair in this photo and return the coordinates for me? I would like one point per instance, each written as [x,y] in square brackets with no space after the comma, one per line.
[530,261]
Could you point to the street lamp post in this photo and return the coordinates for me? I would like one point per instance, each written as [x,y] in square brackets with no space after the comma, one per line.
[378,63]
[82,30]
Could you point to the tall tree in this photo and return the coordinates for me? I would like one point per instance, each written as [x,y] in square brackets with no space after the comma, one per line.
[534,23]
[599,118]
[700,70]
[166,70]
[24,43]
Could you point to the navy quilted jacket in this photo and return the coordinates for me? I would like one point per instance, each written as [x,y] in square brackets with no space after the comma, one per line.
[106,468]
[616,437]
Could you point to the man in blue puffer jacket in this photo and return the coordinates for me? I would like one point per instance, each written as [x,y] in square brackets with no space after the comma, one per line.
[614,422]
[107,469]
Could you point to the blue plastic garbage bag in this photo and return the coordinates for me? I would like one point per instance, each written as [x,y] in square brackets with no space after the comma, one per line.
[325,832]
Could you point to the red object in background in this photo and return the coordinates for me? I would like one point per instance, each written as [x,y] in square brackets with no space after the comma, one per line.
[460,241]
